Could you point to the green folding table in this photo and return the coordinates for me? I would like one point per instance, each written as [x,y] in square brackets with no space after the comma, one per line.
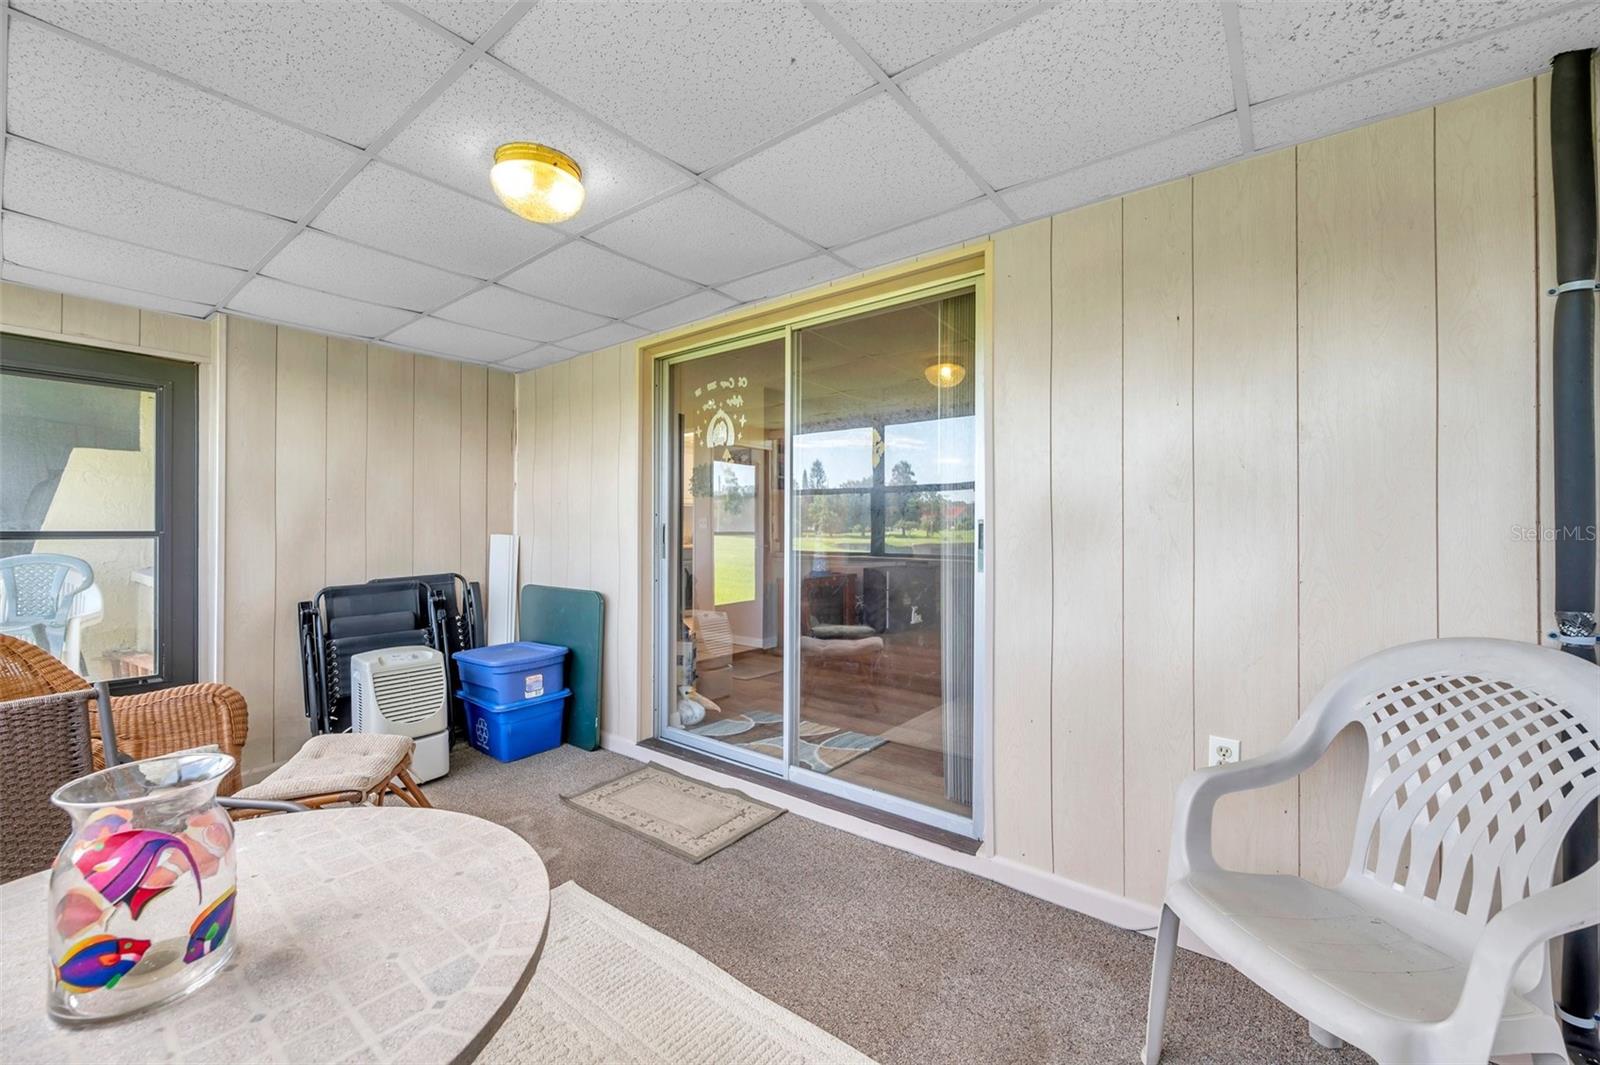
[572,618]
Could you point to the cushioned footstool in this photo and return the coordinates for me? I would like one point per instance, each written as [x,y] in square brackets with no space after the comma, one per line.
[354,768]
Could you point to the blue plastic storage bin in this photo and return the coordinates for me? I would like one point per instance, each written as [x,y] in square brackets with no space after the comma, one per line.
[510,732]
[511,672]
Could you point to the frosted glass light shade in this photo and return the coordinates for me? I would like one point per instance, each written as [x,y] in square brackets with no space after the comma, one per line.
[945,374]
[536,182]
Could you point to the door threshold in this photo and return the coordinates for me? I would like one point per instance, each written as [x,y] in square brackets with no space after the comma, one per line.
[952,840]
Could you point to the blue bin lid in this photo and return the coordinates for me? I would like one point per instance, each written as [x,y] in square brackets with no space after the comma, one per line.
[510,657]
[525,704]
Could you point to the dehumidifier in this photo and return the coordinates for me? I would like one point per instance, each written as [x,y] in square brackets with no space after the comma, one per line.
[404,691]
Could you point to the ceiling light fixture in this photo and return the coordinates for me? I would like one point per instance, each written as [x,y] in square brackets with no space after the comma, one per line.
[536,182]
[942,374]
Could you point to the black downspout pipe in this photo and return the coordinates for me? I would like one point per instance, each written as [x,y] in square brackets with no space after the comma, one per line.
[1572,387]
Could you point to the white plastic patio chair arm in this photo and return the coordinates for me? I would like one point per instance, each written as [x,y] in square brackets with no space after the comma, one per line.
[1198,794]
[1511,934]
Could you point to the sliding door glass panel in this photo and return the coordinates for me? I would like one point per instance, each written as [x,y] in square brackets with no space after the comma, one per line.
[725,415]
[885,461]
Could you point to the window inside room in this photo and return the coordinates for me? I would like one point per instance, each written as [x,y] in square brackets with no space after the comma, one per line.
[98,510]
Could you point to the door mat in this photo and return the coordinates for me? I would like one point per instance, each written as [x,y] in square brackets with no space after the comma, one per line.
[688,817]
[822,748]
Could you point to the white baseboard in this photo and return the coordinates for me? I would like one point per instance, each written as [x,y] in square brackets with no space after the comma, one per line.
[1070,894]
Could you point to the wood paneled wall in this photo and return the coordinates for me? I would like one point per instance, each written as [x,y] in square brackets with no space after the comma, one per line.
[1293,418]
[345,461]
[580,513]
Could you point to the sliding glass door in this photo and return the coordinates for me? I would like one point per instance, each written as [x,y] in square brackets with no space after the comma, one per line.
[724,529]
[820,516]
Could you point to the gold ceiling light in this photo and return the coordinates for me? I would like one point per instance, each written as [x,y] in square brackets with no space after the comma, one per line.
[945,374]
[537,182]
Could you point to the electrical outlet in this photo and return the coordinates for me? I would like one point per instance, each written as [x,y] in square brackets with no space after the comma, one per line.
[1222,751]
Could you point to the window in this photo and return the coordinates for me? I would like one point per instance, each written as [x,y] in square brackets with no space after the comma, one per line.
[98,510]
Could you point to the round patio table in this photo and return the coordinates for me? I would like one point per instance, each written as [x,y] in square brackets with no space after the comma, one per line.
[370,934]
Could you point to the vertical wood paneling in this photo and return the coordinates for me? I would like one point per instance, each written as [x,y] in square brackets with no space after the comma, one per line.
[502,411]
[1245,569]
[30,308]
[474,473]
[390,468]
[102,321]
[631,614]
[301,516]
[558,446]
[1368,558]
[346,462]
[250,543]
[174,332]
[528,468]
[436,447]
[580,464]
[1157,523]
[1488,387]
[605,487]
[503,491]
[1086,502]
[1019,563]
[537,532]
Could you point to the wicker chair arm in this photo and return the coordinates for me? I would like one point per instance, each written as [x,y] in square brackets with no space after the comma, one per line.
[174,719]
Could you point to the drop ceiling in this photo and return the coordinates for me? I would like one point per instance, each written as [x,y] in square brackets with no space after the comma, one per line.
[326,164]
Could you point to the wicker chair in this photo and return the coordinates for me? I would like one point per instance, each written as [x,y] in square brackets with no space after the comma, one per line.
[44,742]
[147,724]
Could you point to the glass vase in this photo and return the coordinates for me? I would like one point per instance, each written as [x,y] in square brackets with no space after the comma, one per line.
[142,891]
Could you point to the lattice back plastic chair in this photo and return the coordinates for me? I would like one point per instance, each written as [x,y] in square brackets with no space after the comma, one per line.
[1480,755]
[36,594]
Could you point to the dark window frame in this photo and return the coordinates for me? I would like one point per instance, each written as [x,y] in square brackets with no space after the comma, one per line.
[176,385]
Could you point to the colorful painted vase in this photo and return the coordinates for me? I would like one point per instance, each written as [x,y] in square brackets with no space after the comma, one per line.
[142,891]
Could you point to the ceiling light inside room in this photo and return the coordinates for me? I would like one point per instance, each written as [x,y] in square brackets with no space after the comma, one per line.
[945,374]
[536,182]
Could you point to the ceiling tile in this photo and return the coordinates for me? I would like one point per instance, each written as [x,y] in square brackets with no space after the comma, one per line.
[85,195]
[74,97]
[901,33]
[700,83]
[1198,149]
[279,301]
[411,216]
[1077,83]
[505,311]
[702,236]
[604,337]
[47,246]
[582,275]
[546,355]
[454,139]
[1493,60]
[456,340]
[972,220]
[349,70]
[702,304]
[860,171]
[783,280]
[464,18]
[319,261]
[1291,47]
[73,286]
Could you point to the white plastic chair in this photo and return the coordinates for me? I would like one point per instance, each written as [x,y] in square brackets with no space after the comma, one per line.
[1480,753]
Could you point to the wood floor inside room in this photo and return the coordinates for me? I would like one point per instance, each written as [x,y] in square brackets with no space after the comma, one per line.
[909,961]
[894,702]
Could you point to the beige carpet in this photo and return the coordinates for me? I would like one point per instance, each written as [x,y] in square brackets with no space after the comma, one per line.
[611,989]
[688,817]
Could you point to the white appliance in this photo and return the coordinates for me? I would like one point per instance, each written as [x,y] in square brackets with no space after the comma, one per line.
[405,691]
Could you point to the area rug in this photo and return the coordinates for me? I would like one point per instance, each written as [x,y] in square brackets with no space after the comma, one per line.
[611,989]
[688,817]
[823,748]
[755,665]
